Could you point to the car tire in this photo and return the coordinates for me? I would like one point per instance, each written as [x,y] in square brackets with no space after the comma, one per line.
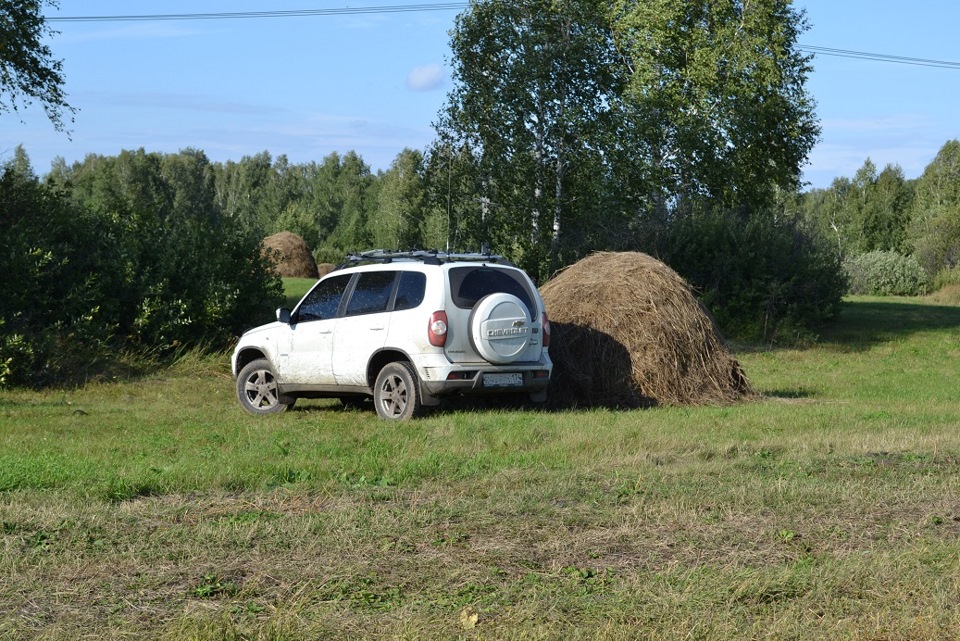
[500,328]
[257,389]
[396,394]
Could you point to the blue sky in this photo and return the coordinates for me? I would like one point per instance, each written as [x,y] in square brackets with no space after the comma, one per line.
[374,83]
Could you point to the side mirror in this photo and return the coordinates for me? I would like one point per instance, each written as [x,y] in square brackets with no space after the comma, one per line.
[283,315]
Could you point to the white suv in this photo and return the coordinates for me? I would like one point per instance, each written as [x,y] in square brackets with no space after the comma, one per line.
[406,328]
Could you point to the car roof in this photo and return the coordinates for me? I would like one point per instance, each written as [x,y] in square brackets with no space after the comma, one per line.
[379,257]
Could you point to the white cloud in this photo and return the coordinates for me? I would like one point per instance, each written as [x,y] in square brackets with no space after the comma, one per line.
[425,78]
[76,34]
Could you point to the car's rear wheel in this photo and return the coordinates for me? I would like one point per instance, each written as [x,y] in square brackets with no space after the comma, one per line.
[396,393]
[257,389]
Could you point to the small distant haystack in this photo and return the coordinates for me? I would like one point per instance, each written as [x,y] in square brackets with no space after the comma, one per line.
[291,256]
[628,332]
[324,268]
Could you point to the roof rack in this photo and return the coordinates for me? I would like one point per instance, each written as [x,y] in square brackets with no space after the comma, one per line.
[430,257]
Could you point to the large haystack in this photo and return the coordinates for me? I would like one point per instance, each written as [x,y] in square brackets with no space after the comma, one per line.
[291,256]
[628,332]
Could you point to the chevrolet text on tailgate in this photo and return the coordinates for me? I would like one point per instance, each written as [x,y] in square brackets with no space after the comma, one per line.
[405,328]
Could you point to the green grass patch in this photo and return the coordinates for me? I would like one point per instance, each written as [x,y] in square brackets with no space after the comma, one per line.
[295,289]
[827,510]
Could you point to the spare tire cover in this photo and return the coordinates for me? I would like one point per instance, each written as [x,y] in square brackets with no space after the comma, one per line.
[500,328]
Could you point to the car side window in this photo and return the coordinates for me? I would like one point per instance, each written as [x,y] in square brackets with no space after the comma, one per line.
[410,291]
[372,293]
[323,301]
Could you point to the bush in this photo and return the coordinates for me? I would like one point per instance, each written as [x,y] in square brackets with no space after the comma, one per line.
[885,273]
[762,276]
[946,278]
[56,264]
[101,264]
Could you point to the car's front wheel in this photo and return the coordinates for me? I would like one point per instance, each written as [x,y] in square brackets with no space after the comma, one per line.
[396,393]
[257,389]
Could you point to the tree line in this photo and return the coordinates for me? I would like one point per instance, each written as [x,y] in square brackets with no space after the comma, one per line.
[883,212]
[673,127]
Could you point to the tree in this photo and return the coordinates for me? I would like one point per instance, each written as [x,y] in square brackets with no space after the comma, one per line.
[400,218]
[535,85]
[244,191]
[718,90]
[935,226]
[638,124]
[354,193]
[887,213]
[183,272]
[28,70]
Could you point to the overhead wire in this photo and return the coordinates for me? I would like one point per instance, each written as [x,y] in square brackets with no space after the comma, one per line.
[452,6]
[880,57]
[436,6]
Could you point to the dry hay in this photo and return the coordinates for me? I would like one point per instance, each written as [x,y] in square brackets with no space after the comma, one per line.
[325,268]
[291,256]
[629,332]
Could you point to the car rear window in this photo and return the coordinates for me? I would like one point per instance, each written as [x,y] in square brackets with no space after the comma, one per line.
[410,290]
[469,284]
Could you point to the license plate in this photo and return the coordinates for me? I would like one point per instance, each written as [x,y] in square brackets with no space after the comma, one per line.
[503,380]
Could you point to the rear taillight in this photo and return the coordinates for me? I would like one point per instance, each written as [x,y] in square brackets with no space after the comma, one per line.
[545,322]
[437,330]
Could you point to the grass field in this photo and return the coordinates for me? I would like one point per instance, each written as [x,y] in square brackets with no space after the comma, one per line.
[828,510]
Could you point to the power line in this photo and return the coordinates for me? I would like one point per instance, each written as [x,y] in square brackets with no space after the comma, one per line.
[454,6]
[438,6]
[880,57]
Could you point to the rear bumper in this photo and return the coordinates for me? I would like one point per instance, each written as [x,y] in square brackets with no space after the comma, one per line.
[532,382]
[439,377]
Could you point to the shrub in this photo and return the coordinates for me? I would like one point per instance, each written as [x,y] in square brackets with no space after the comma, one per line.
[946,278]
[885,273]
[762,276]
[56,263]
[102,264]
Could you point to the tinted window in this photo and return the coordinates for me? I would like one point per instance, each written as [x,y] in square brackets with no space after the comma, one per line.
[470,284]
[410,291]
[324,300]
[372,293]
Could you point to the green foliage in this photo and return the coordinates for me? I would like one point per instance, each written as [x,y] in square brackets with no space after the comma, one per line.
[400,216]
[885,273]
[184,273]
[946,278]
[762,276]
[124,253]
[870,212]
[716,91]
[577,126]
[935,226]
[55,263]
[536,91]
[28,70]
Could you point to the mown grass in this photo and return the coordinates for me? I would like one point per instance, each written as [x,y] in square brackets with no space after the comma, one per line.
[829,509]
